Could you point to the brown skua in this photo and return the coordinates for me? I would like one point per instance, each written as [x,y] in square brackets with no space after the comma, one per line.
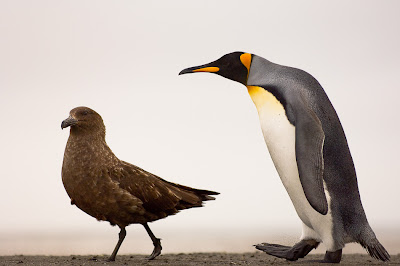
[112,190]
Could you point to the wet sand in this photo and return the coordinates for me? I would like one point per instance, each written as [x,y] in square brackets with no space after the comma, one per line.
[256,258]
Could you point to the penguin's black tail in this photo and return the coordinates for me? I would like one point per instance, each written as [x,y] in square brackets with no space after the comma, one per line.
[374,248]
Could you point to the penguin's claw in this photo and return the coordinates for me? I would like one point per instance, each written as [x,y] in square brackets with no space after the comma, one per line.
[275,250]
[299,250]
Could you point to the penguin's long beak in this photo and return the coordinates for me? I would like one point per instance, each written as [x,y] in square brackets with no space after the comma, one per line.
[203,68]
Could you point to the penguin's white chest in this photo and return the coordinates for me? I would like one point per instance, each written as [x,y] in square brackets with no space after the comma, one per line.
[280,138]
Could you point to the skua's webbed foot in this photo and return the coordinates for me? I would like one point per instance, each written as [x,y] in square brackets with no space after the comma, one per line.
[156,242]
[157,249]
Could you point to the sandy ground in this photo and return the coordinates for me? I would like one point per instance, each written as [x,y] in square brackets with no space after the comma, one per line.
[256,258]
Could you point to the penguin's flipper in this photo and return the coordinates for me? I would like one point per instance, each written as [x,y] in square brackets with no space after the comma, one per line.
[309,156]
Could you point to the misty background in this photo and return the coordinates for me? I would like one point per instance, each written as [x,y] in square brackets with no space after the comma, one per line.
[122,58]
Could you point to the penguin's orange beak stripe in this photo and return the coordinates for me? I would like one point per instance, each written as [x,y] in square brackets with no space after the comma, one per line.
[207,69]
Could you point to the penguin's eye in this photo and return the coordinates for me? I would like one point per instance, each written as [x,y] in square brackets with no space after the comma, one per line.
[85,113]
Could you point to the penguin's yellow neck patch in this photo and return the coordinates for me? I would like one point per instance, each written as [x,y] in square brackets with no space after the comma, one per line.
[263,98]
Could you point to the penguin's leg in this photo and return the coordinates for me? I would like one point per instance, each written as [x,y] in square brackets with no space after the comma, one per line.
[299,250]
[333,256]
[122,235]
[156,243]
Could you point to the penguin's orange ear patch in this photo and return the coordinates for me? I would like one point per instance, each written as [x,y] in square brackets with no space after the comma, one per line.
[246,61]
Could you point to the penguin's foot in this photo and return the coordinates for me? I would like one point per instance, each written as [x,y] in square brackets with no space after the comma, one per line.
[299,250]
[157,249]
[333,257]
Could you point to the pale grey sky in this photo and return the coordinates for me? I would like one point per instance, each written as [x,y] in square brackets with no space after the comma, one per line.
[122,58]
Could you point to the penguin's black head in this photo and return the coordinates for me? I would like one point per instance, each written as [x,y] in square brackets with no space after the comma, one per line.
[234,66]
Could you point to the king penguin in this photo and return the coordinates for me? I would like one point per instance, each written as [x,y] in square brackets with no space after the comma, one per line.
[309,149]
